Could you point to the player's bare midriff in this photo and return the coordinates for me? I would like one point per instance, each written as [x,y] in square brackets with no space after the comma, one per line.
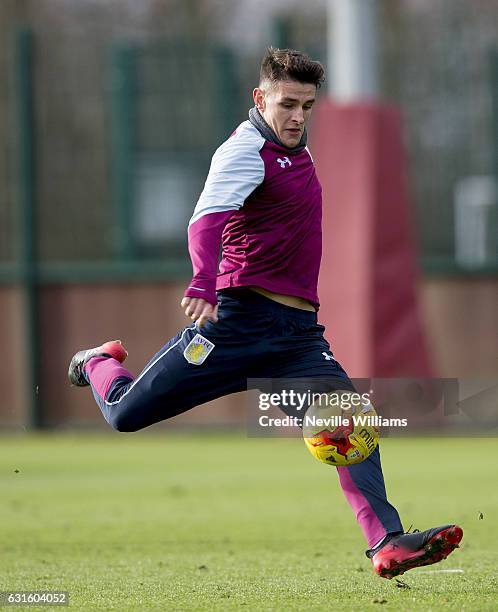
[287,300]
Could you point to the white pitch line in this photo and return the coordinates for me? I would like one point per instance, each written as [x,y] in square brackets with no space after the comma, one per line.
[442,571]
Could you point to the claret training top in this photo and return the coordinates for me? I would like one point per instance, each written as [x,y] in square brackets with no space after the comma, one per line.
[263,203]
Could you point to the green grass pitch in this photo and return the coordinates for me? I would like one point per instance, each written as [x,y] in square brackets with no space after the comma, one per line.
[155,521]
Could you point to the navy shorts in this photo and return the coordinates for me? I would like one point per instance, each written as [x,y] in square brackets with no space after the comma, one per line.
[254,338]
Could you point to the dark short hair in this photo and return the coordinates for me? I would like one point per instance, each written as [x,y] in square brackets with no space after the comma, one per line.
[288,64]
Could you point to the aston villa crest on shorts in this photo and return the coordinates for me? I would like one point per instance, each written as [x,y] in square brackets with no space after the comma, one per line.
[198,349]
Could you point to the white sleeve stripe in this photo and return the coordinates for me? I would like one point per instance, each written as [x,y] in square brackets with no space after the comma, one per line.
[236,170]
[201,211]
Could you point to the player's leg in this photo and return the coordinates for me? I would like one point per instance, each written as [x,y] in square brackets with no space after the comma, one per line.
[301,352]
[192,368]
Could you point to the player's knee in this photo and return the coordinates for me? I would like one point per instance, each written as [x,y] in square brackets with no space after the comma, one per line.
[121,422]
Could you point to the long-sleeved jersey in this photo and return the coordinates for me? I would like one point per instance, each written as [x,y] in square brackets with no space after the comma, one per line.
[263,203]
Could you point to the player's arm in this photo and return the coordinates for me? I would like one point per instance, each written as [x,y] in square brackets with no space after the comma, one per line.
[204,239]
[236,170]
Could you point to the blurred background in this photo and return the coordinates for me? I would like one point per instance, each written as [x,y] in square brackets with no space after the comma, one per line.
[110,111]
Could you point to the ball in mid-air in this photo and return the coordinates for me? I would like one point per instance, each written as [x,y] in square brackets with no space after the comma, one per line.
[341,436]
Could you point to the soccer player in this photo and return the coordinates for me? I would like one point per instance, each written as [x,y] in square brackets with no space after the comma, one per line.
[254,315]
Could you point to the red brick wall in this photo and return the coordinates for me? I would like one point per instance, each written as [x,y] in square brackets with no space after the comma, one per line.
[459,315]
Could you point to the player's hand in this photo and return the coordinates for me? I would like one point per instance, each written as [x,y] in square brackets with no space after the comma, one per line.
[199,310]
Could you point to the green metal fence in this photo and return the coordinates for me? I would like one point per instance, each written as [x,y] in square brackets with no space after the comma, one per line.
[167,107]
[106,174]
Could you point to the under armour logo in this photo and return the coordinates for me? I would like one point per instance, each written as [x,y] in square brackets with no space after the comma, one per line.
[328,357]
[284,162]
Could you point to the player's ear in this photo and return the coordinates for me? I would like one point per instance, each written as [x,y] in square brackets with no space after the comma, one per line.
[258,96]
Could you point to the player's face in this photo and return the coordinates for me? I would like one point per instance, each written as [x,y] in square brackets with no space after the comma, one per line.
[286,107]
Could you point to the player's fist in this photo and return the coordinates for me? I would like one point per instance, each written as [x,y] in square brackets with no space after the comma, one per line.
[199,310]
